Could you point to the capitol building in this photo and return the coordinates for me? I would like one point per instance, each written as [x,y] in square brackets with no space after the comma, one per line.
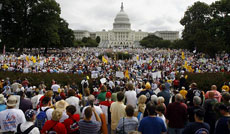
[122,35]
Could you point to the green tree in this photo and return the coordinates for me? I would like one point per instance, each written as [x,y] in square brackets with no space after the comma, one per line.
[153,41]
[16,22]
[220,25]
[66,35]
[45,24]
[196,24]
[98,39]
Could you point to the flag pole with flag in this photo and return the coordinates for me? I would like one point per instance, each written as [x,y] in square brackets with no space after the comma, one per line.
[4,50]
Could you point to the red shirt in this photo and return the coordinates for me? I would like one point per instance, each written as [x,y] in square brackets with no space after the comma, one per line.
[106,103]
[68,122]
[58,127]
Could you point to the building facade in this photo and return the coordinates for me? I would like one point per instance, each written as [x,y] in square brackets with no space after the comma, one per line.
[122,35]
[168,35]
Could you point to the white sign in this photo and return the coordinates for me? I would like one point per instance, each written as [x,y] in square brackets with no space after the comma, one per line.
[103,80]
[120,74]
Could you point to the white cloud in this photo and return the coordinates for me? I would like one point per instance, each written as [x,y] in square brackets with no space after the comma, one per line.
[148,15]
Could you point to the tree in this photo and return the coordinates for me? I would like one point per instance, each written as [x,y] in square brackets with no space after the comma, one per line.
[66,35]
[153,41]
[196,20]
[220,26]
[15,21]
[45,24]
[98,39]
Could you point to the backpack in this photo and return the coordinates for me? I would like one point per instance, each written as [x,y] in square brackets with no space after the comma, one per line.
[75,126]
[27,131]
[51,130]
[41,118]
[85,85]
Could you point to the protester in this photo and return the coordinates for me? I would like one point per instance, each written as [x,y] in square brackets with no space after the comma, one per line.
[210,115]
[87,125]
[73,100]
[2,103]
[165,93]
[129,123]
[28,126]
[222,124]
[152,124]
[130,95]
[117,110]
[199,126]
[217,94]
[54,125]
[191,109]
[24,104]
[147,92]
[71,124]
[176,115]
[11,117]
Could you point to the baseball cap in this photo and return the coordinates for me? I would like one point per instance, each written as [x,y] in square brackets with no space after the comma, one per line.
[108,95]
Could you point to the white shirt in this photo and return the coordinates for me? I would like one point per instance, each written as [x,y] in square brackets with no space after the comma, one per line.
[97,109]
[131,98]
[64,116]
[55,87]
[48,112]
[10,118]
[75,102]
[35,100]
[26,125]
[163,118]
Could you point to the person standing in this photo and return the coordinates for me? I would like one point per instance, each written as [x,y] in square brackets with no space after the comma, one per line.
[217,94]
[131,95]
[199,126]
[152,124]
[11,117]
[165,93]
[87,125]
[222,125]
[28,126]
[117,110]
[176,115]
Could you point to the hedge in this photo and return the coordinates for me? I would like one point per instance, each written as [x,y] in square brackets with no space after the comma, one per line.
[36,78]
[204,80]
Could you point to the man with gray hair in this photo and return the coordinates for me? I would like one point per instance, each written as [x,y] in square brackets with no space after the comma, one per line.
[191,109]
[176,115]
[98,110]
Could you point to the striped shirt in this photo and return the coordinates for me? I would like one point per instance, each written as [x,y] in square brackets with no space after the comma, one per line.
[89,127]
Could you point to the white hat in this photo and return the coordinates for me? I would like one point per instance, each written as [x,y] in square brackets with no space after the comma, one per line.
[11,101]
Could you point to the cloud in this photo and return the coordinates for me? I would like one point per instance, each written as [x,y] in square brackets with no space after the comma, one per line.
[148,15]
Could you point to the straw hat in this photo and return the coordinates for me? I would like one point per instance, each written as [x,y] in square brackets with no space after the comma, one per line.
[12,101]
[61,105]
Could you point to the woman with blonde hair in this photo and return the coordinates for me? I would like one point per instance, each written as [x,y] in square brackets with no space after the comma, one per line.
[141,106]
[54,125]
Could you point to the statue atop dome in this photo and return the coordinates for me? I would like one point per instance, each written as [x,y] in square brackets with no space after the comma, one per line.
[122,7]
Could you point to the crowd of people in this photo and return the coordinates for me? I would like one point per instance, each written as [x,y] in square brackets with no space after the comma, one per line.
[139,95]
[86,60]
[134,109]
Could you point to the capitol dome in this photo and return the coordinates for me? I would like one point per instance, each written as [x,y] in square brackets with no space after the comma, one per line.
[121,21]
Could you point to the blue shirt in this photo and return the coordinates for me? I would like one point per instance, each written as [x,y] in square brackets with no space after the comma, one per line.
[152,125]
[2,107]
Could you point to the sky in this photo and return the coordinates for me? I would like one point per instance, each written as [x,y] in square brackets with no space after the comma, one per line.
[147,15]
